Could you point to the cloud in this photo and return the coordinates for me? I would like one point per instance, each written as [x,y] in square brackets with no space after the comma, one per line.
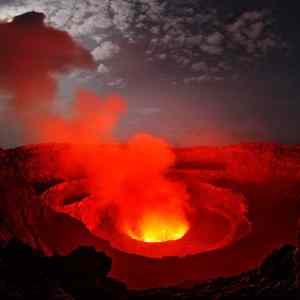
[180,34]
[117,83]
[200,66]
[149,110]
[105,51]
[215,39]
[102,69]
[50,52]
[31,57]
[212,49]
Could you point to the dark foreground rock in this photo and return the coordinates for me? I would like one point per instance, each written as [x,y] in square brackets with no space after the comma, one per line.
[28,274]
[83,274]
[274,279]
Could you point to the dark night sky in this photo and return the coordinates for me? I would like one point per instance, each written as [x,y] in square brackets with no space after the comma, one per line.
[193,72]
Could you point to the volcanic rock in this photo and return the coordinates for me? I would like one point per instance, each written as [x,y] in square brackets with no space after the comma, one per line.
[273,279]
[266,174]
[297,260]
[24,274]
[28,274]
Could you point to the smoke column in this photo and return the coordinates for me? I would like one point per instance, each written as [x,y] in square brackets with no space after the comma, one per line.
[132,193]
[32,57]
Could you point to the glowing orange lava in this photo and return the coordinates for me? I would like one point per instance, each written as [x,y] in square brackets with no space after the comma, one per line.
[155,228]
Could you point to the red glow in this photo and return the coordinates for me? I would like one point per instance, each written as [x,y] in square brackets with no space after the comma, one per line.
[129,182]
[136,199]
[155,228]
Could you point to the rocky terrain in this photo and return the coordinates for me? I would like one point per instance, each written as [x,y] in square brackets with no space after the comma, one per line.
[27,274]
[267,175]
[275,278]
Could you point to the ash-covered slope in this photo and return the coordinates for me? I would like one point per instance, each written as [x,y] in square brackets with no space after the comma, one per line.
[267,175]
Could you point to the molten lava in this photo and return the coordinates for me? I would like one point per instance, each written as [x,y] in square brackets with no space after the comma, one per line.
[156,228]
[134,196]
